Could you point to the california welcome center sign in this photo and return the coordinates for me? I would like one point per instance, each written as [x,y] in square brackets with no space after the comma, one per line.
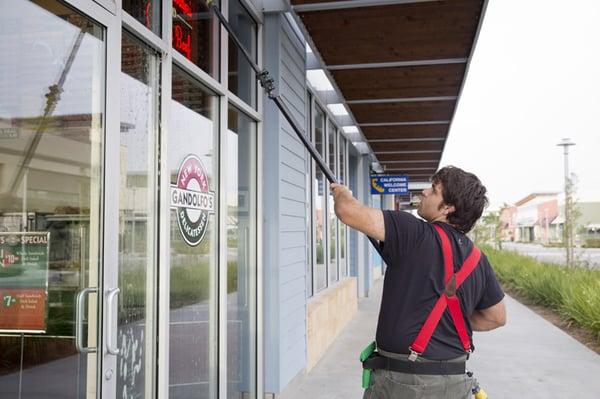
[192,200]
[388,184]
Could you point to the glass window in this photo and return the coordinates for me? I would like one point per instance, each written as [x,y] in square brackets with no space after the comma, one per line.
[196,34]
[332,222]
[193,286]
[309,218]
[343,241]
[137,219]
[242,80]
[148,12]
[319,195]
[241,271]
[52,84]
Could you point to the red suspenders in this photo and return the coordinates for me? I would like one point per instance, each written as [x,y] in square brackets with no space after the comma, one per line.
[448,298]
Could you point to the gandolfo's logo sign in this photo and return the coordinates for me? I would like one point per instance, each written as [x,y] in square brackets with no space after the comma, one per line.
[192,200]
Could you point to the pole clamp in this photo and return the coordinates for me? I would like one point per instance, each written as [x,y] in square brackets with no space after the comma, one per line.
[266,81]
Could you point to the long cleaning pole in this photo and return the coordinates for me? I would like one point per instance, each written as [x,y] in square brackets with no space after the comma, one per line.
[269,85]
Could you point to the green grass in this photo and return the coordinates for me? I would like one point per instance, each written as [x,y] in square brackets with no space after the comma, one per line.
[592,243]
[572,292]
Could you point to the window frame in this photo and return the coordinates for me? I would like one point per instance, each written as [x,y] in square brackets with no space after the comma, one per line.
[314,103]
[170,57]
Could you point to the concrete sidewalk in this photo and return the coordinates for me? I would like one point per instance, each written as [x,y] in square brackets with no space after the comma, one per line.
[528,358]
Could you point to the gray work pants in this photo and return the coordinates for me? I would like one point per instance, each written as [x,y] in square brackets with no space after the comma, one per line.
[394,385]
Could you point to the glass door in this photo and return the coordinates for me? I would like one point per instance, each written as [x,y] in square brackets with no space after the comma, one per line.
[241,270]
[136,326]
[52,143]
[192,154]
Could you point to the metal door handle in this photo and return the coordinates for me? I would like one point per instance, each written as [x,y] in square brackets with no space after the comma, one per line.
[111,347]
[246,265]
[80,302]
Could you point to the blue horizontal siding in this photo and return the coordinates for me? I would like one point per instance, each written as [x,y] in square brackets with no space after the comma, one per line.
[293,208]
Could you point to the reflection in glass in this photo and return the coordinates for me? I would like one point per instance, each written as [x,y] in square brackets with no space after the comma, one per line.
[332,223]
[137,222]
[341,226]
[193,315]
[319,192]
[51,138]
[241,194]
[242,81]
[196,34]
[148,12]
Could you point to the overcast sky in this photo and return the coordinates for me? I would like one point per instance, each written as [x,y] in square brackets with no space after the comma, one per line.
[534,79]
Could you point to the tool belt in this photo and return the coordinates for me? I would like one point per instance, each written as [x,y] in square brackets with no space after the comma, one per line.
[376,361]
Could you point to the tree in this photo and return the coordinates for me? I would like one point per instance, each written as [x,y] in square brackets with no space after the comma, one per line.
[572,213]
[488,230]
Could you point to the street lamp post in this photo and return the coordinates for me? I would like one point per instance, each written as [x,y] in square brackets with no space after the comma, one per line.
[568,224]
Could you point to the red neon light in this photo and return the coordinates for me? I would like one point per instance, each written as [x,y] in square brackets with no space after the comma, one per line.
[147,13]
[182,41]
[185,6]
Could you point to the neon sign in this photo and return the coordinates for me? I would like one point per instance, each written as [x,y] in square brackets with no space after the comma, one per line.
[182,37]
[183,6]
[147,13]
[182,41]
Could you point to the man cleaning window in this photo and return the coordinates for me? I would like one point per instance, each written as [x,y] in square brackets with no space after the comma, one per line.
[438,289]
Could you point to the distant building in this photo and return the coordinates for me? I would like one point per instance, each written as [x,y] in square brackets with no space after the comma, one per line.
[547,213]
[540,218]
[528,221]
[508,223]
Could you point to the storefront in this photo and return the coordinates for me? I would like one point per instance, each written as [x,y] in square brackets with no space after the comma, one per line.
[128,200]
[117,279]
[163,231]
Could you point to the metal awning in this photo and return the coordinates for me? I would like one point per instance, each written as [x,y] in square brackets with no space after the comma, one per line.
[400,66]
[559,220]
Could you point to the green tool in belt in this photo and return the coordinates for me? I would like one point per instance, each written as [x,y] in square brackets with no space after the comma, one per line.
[364,355]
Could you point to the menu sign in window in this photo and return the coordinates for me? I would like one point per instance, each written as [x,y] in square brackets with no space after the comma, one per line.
[23,281]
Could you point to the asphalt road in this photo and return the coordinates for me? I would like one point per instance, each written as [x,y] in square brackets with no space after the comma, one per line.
[588,257]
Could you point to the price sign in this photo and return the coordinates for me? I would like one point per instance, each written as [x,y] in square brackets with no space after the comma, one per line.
[23,282]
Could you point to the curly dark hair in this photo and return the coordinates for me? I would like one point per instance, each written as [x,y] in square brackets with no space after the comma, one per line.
[465,192]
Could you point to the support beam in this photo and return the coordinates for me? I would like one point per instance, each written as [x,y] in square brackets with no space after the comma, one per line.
[405,161]
[410,152]
[402,100]
[414,123]
[407,140]
[409,169]
[339,5]
[312,62]
[398,64]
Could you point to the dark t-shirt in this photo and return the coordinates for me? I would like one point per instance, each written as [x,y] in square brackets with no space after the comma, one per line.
[414,280]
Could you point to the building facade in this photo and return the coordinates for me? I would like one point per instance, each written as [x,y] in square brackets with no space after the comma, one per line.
[138,151]
[540,218]
[163,231]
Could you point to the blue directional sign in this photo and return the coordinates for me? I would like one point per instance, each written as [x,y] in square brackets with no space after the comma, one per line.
[386,184]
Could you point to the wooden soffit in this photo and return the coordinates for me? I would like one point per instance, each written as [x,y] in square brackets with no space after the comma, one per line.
[400,66]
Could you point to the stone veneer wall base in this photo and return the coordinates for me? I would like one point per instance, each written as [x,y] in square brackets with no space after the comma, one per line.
[328,313]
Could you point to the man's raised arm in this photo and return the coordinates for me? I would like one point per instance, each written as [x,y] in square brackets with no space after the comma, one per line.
[356,215]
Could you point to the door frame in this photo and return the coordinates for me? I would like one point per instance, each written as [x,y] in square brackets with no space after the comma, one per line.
[106,365]
[109,14]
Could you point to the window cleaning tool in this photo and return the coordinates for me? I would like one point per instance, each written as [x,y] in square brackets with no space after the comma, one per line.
[268,85]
